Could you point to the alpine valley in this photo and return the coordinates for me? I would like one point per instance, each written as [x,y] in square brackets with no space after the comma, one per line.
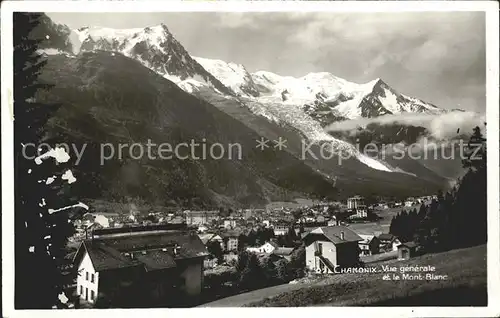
[134,85]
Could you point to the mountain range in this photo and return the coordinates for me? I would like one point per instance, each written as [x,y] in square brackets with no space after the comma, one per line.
[138,84]
[320,93]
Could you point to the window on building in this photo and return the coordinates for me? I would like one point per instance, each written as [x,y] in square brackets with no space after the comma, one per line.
[92,278]
[81,290]
[92,295]
[86,275]
[86,294]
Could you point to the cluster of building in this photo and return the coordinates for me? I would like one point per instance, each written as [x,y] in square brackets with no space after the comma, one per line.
[148,259]
[168,250]
[161,258]
[208,220]
[328,249]
[357,204]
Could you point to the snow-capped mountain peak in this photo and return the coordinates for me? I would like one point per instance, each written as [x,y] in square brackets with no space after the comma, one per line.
[302,88]
[156,48]
[383,96]
[323,94]
[233,75]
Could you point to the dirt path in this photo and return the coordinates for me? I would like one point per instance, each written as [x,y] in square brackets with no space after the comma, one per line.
[256,295]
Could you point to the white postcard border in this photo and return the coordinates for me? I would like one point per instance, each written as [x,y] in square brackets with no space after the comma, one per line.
[493,249]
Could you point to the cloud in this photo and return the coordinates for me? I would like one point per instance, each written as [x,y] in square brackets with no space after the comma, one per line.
[438,57]
[440,127]
[236,20]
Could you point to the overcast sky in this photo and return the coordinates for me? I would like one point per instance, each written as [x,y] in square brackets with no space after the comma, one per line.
[438,57]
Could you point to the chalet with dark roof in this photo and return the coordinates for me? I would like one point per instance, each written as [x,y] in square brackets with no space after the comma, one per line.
[329,247]
[141,264]
[230,239]
[370,245]
[388,242]
[285,252]
[407,250]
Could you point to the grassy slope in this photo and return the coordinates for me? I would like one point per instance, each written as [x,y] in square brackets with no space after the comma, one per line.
[382,225]
[465,286]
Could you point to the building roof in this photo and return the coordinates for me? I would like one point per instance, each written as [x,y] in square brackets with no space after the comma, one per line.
[263,257]
[273,244]
[334,233]
[356,197]
[408,244]
[231,233]
[309,228]
[207,237]
[366,238]
[177,220]
[202,213]
[144,228]
[283,251]
[156,259]
[386,237]
[282,223]
[148,250]
[103,257]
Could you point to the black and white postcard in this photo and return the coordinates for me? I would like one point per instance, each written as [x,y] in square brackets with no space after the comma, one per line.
[182,154]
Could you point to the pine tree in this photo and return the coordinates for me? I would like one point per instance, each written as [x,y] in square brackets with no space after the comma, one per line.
[476,151]
[42,271]
[431,224]
[298,262]
[282,270]
[447,220]
[396,225]
[412,224]
[251,238]
[471,197]
[30,116]
[422,212]
[252,276]
[459,217]
[290,237]
[391,226]
[215,250]
[269,271]
[242,242]
[421,236]
[243,257]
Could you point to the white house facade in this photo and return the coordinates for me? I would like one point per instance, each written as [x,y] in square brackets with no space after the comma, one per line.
[87,281]
[331,246]
[355,202]
[266,248]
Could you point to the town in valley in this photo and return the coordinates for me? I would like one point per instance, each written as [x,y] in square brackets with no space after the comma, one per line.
[198,248]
